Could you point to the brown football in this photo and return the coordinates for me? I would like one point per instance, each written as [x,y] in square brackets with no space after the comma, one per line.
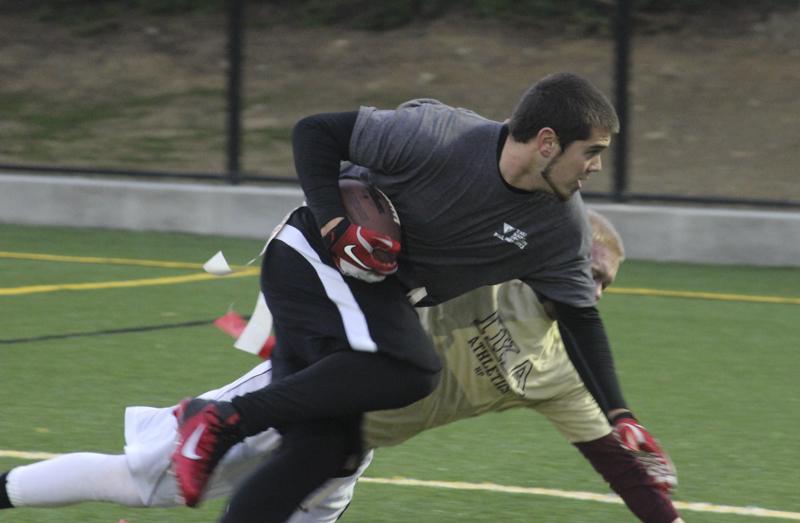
[366,205]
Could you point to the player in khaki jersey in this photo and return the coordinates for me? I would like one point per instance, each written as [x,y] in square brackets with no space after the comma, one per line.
[501,349]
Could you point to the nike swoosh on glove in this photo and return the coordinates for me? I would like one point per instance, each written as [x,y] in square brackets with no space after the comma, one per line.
[362,253]
[638,440]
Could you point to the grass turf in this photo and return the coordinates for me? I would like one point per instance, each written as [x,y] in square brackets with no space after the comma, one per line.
[713,380]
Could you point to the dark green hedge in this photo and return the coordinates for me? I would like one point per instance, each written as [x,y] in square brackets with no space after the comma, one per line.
[386,14]
[373,14]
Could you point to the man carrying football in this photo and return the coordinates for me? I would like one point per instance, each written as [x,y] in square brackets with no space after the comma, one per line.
[481,202]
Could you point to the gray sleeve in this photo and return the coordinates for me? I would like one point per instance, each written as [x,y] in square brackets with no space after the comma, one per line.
[567,277]
[570,283]
[394,141]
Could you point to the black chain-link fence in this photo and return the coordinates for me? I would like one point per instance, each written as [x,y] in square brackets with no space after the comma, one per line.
[708,98]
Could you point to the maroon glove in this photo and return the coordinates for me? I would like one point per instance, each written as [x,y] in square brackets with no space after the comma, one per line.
[362,253]
[635,438]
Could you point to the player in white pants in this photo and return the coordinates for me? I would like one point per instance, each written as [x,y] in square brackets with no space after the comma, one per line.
[500,350]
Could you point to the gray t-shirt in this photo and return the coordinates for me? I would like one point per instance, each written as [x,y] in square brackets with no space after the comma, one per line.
[463,226]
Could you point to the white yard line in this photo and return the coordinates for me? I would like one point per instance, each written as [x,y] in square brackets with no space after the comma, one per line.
[582,496]
[506,489]
[20,454]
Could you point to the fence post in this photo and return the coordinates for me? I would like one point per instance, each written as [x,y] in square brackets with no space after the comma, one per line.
[234,121]
[622,32]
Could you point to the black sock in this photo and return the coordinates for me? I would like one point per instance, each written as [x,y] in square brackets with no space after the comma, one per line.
[4,501]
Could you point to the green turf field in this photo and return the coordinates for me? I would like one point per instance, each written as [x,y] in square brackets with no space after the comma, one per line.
[712,375]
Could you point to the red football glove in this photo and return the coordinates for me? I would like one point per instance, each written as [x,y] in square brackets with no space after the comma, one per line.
[362,253]
[648,452]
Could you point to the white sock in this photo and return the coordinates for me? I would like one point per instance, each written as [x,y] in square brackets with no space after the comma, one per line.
[73,478]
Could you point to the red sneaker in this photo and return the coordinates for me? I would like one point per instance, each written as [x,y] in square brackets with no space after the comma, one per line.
[206,430]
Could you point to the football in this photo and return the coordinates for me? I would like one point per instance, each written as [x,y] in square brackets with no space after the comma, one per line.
[368,206]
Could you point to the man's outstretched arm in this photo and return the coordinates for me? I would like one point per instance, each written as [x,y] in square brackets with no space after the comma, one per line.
[590,352]
[587,345]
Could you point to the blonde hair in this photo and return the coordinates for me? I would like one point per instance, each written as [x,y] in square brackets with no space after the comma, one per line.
[605,234]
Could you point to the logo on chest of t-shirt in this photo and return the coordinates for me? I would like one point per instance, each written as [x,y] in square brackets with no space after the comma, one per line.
[512,235]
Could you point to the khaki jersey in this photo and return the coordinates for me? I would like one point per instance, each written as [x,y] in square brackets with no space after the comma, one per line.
[500,350]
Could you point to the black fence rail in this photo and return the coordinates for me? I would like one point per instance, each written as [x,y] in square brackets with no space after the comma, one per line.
[222,177]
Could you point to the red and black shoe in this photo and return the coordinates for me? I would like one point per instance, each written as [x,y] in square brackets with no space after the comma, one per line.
[206,430]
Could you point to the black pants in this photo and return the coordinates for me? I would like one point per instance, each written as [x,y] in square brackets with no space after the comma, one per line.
[344,347]
[310,453]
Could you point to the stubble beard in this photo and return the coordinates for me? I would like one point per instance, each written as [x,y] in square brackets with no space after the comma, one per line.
[546,176]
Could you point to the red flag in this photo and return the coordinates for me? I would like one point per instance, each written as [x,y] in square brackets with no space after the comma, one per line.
[231,323]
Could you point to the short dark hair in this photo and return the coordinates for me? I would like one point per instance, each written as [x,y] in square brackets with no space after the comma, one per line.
[567,103]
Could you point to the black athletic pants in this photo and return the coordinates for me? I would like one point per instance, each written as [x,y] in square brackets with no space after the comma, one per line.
[344,347]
